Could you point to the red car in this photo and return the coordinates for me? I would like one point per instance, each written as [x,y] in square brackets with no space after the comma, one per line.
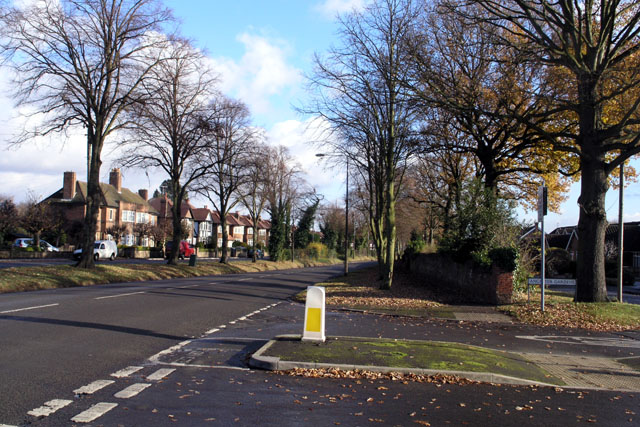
[186,250]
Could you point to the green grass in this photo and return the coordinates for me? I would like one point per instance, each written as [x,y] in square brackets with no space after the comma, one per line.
[20,279]
[410,354]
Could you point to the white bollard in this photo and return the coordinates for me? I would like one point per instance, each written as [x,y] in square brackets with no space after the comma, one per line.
[314,315]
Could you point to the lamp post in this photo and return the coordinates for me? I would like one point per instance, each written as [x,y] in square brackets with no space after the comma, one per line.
[346,218]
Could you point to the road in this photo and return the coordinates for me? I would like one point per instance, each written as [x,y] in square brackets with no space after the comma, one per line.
[53,342]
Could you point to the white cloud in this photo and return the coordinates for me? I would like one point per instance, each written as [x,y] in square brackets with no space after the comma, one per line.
[331,8]
[262,72]
[304,139]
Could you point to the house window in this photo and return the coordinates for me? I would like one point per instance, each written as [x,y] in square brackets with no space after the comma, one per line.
[142,217]
[250,230]
[219,243]
[129,240]
[153,220]
[111,214]
[262,232]
[128,216]
[250,242]
[238,230]
[219,229]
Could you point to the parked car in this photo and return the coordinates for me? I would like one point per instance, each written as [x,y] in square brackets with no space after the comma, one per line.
[186,250]
[101,249]
[25,242]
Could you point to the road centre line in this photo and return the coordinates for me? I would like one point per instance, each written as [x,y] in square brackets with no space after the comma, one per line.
[96,411]
[93,387]
[121,295]
[49,407]
[28,308]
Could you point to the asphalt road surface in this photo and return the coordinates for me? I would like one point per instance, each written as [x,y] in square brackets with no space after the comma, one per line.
[55,342]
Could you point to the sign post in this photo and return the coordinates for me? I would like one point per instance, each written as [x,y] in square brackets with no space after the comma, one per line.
[314,315]
[542,211]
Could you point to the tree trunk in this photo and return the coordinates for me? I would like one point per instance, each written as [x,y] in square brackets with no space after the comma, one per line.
[93,204]
[224,258]
[177,232]
[590,277]
[592,224]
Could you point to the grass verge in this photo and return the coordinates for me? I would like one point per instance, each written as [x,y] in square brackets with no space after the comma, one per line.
[442,356]
[20,279]
[560,310]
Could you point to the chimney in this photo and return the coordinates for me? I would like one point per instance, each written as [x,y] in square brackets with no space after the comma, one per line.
[69,185]
[144,193]
[115,179]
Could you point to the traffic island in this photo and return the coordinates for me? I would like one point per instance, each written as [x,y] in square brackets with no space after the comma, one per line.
[288,352]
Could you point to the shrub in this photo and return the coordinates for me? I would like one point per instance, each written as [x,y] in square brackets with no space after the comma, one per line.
[415,245]
[558,261]
[316,251]
[504,258]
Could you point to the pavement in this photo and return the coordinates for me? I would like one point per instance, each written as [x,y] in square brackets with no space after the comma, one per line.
[583,360]
[559,352]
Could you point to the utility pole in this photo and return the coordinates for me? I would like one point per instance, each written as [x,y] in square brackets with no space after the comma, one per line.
[620,233]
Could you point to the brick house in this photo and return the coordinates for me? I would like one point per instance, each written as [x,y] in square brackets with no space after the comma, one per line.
[239,228]
[118,206]
[163,205]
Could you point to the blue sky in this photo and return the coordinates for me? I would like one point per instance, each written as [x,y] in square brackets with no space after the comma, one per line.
[262,49]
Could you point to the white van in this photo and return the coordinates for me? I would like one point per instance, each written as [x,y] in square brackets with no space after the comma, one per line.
[101,249]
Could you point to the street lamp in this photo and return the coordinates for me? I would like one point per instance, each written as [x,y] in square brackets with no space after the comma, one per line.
[346,218]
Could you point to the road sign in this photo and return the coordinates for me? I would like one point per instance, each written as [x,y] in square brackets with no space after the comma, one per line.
[552,282]
[542,202]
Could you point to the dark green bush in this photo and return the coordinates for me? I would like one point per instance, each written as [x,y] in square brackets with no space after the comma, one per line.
[503,258]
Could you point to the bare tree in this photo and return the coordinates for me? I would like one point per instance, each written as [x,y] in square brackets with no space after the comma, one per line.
[168,130]
[358,91]
[283,186]
[117,231]
[253,192]
[80,62]
[230,137]
[36,217]
[587,55]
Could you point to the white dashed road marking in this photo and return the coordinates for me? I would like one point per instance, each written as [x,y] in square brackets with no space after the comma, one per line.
[160,374]
[49,408]
[121,295]
[93,387]
[28,308]
[131,391]
[123,373]
[95,412]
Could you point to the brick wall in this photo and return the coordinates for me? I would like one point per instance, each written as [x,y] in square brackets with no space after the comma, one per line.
[476,283]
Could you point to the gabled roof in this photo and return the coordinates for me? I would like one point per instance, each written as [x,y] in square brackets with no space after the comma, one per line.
[108,194]
[163,205]
[201,214]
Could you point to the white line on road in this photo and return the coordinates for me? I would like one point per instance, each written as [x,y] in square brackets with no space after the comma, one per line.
[160,374]
[212,331]
[28,308]
[243,280]
[7,425]
[156,357]
[93,387]
[49,407]
[122,373]
[131,391]
[188,286]
[96,411]
[121,295]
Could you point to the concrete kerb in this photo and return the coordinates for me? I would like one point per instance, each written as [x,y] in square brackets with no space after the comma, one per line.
[259,361]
